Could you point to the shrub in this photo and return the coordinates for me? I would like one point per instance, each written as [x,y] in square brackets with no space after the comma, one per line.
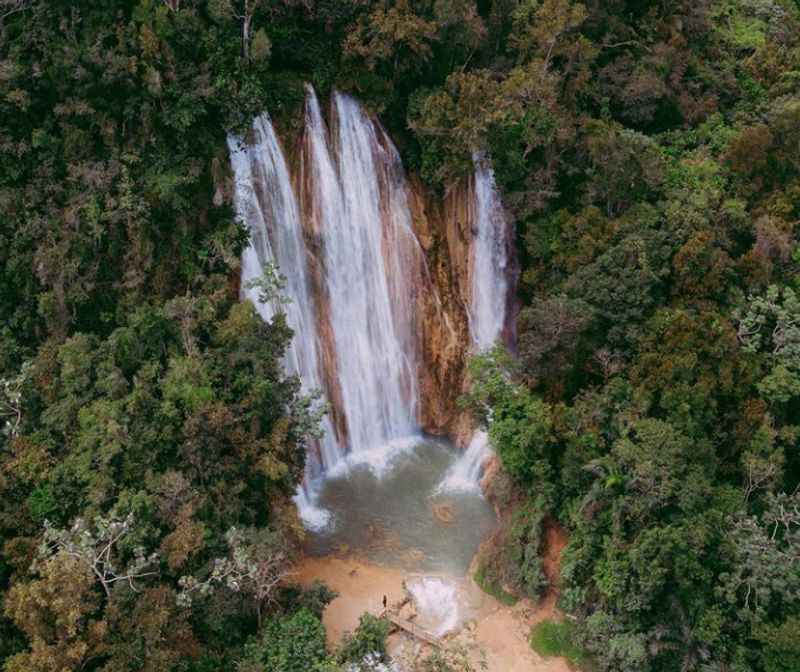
[489,583]
[551,638]
[368,638]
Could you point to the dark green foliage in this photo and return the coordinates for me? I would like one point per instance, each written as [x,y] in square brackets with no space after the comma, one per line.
[513,568]
[368,638]
[780,645]
[314,598]
[173,411]
[135,380]
[624,284]
[525,551]
[521,427]
[293,643]
[654,400]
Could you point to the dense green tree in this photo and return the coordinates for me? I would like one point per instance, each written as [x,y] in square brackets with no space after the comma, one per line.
[368,639]
[293,643]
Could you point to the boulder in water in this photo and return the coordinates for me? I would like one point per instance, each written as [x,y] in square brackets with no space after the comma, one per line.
[413,556]
[443,512]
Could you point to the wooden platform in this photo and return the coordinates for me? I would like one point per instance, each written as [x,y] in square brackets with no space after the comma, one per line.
[412,629]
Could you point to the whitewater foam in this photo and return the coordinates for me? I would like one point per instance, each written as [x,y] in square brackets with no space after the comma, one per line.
[465,473]
[436,599]
[378,459]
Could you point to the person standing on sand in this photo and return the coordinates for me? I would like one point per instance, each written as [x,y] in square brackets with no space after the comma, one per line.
[384,602]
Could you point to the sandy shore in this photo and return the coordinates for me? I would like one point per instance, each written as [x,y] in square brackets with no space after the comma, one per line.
[501,632]
[361,588]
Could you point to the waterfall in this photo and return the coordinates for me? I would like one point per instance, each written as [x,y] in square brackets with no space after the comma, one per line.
[365,237]
[341,235]
[266,203]
[487,306]
[489,283]
[351,263]
[465,473]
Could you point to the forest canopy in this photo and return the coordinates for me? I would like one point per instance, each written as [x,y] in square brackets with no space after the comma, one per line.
[648,152]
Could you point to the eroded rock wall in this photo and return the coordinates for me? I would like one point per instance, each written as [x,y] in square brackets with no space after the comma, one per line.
[442,227]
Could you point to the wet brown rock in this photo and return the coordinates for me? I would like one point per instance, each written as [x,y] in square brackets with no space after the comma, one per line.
[490,470]
[443,513]
[444,334]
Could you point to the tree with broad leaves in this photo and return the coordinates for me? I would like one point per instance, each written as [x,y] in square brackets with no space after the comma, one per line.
[257,563]
[57,611]
[244,11]
[11,7]
[770,324]
[97,546]
[766,551]
[11,402]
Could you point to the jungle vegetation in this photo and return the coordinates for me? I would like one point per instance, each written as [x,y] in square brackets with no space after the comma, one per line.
[648,152]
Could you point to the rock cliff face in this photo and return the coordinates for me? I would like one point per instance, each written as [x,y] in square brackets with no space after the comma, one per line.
[441,272]
[447,229]
[442,305]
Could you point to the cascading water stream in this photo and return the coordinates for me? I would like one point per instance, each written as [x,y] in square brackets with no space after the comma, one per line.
[342,237]
[366,281]
[354,260]
[489,286]
[465,473]
[353,265]
[487,306]
[265,202]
